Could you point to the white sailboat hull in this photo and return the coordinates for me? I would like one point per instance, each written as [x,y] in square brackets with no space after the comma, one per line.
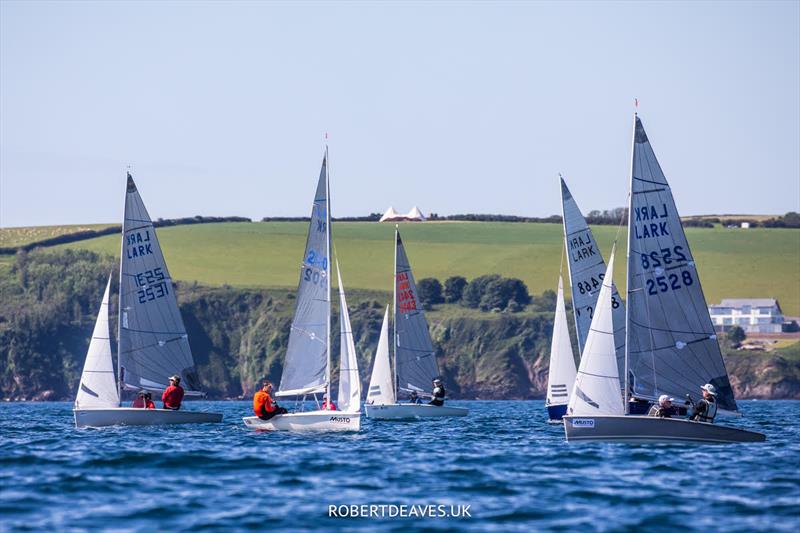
[648,429]
[410,411]
[132,416]
[307,421]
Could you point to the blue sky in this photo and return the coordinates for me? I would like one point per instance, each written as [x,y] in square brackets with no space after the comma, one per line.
[221,108]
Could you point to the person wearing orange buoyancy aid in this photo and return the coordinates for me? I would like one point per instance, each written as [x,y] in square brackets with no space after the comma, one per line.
[264,406]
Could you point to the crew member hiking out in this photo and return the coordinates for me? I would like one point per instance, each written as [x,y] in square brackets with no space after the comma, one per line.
[264,406]
[173,395]
[438,393]
[706,409]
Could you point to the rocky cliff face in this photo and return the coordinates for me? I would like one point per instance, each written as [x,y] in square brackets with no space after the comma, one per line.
[238,337]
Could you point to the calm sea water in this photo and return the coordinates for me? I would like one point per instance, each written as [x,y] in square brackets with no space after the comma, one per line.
[513,469]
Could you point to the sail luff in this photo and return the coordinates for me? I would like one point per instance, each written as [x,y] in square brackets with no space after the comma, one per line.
[328,267]
[569,264]
[393,368]
[627,386]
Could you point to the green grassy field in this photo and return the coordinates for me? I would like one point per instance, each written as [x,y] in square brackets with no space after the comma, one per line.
[732,262]
[20,236]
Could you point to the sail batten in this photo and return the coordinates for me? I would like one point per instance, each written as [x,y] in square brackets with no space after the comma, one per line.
[673,346]
[306,367]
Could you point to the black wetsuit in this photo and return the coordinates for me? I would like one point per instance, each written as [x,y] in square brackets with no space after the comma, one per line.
[705,410]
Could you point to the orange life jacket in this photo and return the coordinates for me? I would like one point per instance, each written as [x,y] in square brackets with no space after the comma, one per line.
[262,403]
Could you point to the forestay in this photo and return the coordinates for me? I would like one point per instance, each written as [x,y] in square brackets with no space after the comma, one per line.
[597,386]
[673,348]
[153,343]
[561,376]
[98,387]
[415,358]
[306,365]
[349,399]
[586,270]
[381,385]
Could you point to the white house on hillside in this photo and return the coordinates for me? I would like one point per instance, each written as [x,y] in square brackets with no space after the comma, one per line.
[753,315]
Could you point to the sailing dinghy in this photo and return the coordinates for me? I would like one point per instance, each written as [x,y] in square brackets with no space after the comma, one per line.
[414,357]
[561,374]
[671,347]
[152,340]
[307,367]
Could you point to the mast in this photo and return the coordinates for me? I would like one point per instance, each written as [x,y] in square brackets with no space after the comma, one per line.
[328,266]
[119,295]
[394,313]
[628,289]
[569,267]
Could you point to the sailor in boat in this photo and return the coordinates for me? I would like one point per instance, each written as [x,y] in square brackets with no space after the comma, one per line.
[327,405]
[438,393]
[414,398]
[144,400]
[664,408]
[264,407]
[173,394]
[706,409]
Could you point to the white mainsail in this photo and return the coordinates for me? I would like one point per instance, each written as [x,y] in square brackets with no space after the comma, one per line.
[672,345]
[98,386]
[586,270]
[561,376]
[381,384]
[597,385]
[306,368]
[153,344]
[349,399]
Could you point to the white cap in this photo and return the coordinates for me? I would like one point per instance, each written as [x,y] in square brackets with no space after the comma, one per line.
[664,398]
[709,388]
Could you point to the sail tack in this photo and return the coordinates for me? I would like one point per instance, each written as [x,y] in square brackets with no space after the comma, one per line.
[98,386]
[153,343]
[597,385]
[305,369]
[586,271]
[349,399]
[673,346]
[381,385]
[415,357]
[562,363]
